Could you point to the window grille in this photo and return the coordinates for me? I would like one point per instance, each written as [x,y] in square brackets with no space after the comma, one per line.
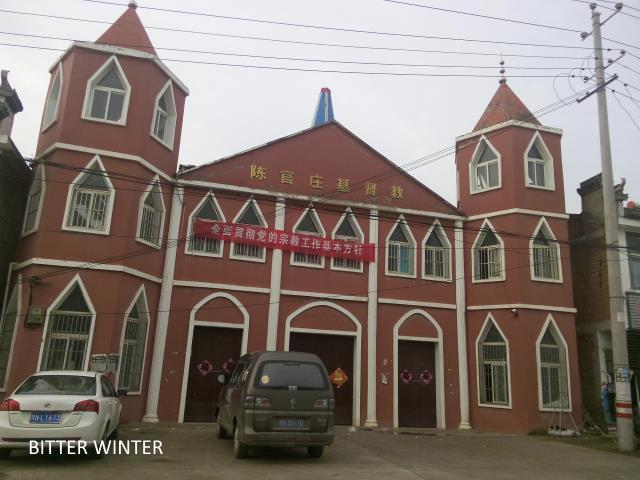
[33,204]
[207,211]
[545,258]
[488,257]
[436,256]
[553,373]
[309,225]
[90,202]
[152,214]
[133,347]
[249,216]
[400,252]
[347,232]
[494,368]
[7,327]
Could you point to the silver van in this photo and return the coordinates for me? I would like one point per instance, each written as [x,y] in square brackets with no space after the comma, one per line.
[279,399]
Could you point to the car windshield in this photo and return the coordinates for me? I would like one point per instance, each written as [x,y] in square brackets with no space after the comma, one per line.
[58,385]
[280,375]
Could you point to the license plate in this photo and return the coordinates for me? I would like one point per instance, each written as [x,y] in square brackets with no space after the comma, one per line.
[45,417]
[290,423]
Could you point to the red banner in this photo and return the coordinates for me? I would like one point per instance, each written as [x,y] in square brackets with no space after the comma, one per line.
[288,241]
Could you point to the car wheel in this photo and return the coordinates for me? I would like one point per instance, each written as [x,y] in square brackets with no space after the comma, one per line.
[114,435]
[95,453]
[5,453]
[240,450]
[315,452]
[222,432]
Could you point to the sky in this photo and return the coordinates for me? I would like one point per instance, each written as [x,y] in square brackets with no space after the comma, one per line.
[405,117]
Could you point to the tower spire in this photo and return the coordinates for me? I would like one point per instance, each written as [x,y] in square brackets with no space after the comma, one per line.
[324,110]
[503,79]
[128,32]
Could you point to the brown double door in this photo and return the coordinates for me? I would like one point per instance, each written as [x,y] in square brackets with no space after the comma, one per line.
[416,384]
[213,351]
[336,352]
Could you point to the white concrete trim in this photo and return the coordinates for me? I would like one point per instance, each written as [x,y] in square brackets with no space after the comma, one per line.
[442,235]
[544,225]
[483,331]
[263,259]
[321,233]
[399,223]
[549,175]
[524,306]
[50,262]
[439,354]
[39,176]
[509,123]
[461,326]
[338,333]
[172,116]
[154,181]
[416,303]
[201,323]
[326,296]
[503,269]
[275,282]
[348,213]
[59,74]
[372,324]
[523,211]
[17,291]
[54,304]
[221,286]
[473,189]
[91,85]
[550,321]
[357,360]
[190,219]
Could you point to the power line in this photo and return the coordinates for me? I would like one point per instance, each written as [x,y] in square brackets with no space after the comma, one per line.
[623,108]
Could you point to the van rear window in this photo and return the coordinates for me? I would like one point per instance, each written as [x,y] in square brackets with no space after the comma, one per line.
[291,376]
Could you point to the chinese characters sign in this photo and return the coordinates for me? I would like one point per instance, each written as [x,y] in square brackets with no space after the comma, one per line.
[288,241]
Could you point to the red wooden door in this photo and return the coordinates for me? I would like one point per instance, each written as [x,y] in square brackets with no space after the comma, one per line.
[335,351]
[211,350]
[416,384]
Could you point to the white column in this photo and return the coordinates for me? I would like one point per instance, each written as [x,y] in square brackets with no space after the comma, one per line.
[164,304]
[276,280]
[372,323]
[461,327]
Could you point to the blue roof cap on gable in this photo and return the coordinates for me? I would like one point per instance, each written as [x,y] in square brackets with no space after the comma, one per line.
[324,110]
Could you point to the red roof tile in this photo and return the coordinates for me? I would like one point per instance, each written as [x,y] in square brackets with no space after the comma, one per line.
[504,106]
[128,31]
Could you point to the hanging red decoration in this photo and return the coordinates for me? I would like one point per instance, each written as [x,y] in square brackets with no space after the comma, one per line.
[426,376]
[228,366]
[338,377]
[205,367]
[406,376]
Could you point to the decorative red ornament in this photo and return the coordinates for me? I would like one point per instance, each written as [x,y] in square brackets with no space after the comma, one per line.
[338,377]
[631,204]
[205,367]
[406,376]
[426,376]
[229,365]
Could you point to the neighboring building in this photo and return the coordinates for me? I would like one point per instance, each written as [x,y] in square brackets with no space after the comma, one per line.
[591,290]
[442,327]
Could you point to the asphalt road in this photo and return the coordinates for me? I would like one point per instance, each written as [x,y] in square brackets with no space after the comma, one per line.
[192,452]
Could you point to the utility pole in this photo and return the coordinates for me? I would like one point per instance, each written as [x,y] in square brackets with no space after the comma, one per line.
[624,414]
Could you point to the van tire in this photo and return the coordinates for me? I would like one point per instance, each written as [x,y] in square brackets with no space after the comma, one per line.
[315,452]
[221,432]
[240,450]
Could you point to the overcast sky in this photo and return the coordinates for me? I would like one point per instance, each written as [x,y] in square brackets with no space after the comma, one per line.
[233,108]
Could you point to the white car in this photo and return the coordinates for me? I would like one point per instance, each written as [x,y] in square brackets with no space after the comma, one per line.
[64,406]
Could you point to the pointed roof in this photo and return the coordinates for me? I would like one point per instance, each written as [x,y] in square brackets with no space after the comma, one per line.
[504,106]
[128,31]
[324,109]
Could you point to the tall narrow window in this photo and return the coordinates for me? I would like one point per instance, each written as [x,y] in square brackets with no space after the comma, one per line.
[207,210]
[493,366]
[133,346]
[68,328]
[349,231]
[91,200]
[539,164]
[553,371]
[152,215]
[400,250]
[34,200]
[164,117]
[545,254]
[249,215]
[53,99]
[108,92]
[437,255]
[308,224]
[7,328]
[485,168]
[487,253]
[633,252]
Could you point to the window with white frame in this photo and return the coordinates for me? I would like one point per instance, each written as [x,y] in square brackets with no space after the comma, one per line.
[108,94]
[7,327]
[539,164]
[309,224]
[493,367]
[437,254]
[91,200]
[164,117]
[348,231]
[68,328]
[152,215]
[208,210]
[553,371]
[633,252]
[34,200]
[53,99]
[250,215]
[400,250]
[488,256]
[485,168]
[134,343]
[545,253]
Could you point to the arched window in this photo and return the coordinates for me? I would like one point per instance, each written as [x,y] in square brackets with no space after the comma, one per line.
[66,344]
[485,168]
[437,254]
[552,361]
[7,328]
[401,250]
[488,253]
[539,164]
[348,230]
[545,254]
[134,342]
[107,96]
[308,224]
[493,365]
[90,200]
[207,209]
[164,116]
[34,201]
[151,215]
[250,214]
[52,105]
